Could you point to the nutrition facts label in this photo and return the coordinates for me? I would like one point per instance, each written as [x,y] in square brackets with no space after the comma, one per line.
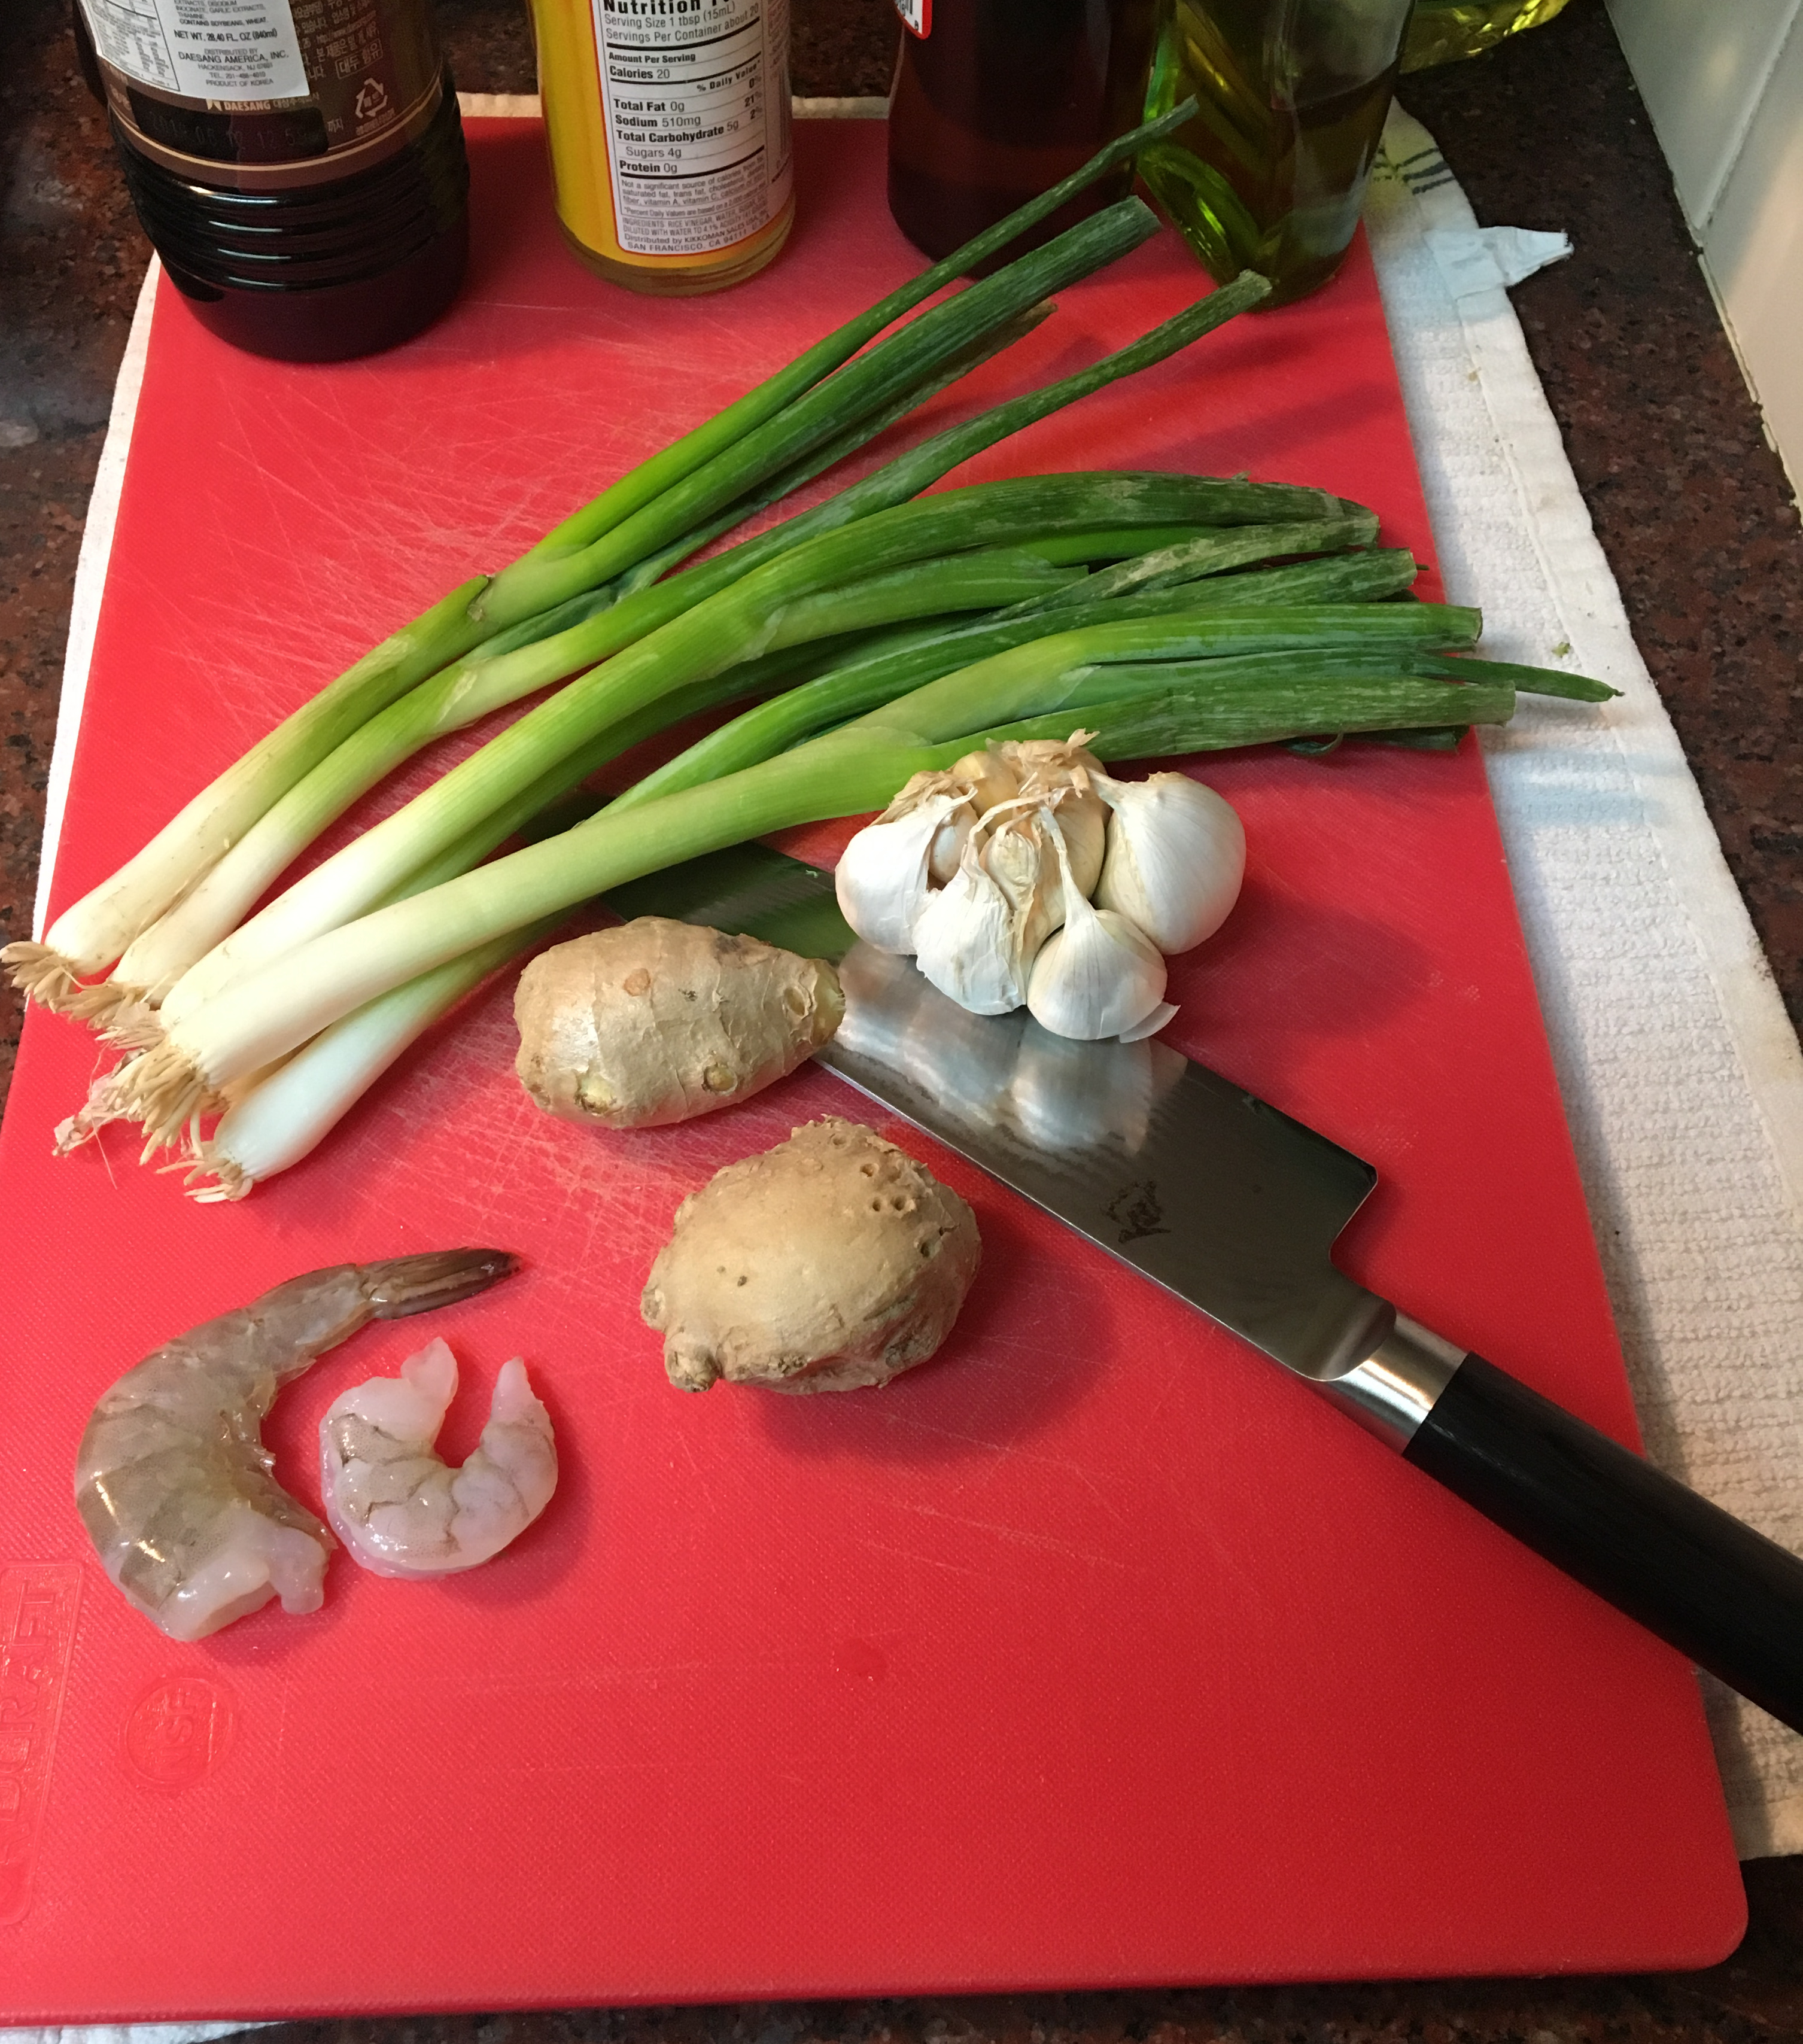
[696,95]
[228,52]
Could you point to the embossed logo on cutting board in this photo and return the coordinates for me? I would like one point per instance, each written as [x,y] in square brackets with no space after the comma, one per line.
[179,1729]
[38,1604]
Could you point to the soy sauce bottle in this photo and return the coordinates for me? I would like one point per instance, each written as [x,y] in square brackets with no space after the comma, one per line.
[298,165]
[996,100]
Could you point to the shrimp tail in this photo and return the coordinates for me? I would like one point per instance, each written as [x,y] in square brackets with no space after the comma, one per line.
[404,1285]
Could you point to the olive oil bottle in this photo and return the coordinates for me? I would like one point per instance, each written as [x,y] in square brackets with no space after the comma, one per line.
[996,100]
[1271,173]
[1441,30]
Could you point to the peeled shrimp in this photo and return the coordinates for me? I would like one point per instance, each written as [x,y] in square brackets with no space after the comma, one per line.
[399,1509]
[172,1479]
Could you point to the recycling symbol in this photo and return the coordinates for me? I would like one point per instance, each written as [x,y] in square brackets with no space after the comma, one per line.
[372,99]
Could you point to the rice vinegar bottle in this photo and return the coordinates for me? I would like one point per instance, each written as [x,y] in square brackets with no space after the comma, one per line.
[668,124]
[996,100]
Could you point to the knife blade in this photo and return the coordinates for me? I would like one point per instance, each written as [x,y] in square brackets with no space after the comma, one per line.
[1235,1207]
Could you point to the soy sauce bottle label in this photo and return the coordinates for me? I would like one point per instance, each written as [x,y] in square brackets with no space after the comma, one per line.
[917,16]
[266,93]
[696,94]
[231,50]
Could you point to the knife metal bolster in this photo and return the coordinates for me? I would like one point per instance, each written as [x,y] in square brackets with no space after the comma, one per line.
[1392,1390]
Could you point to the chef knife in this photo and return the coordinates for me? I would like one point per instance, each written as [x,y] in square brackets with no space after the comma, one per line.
[1235,1207]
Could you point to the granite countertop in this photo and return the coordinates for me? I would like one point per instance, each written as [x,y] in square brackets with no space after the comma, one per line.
[1694,512]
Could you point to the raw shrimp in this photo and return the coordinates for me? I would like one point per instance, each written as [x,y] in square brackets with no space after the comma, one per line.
[172,1479]
[399,1509]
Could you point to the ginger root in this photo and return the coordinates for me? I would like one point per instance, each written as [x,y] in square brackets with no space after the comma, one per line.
[658,1021]
[832,1262]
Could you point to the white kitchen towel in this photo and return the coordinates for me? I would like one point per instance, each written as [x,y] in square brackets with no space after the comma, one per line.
[1680,1073]
[1484,258]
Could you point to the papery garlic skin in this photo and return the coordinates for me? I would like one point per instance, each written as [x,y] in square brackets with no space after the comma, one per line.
[882,878]
[1017,855]
[1097,976]
[1176,857]
[963,941]
[1058,759]
[947,844]
[1046,767]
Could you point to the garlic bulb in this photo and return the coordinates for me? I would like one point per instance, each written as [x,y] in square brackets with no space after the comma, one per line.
[1176,856]
[963,940]
[882,879]
[1047,766]
[1098,975]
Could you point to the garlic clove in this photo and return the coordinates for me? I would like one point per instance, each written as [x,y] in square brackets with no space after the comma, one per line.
[1175,858]
[882,880]
[1017,855]
[989,778]
[947,847]
[961,941]
[1097,976]
[1082,816]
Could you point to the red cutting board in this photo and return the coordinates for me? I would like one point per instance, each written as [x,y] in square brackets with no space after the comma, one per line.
[1094,1652]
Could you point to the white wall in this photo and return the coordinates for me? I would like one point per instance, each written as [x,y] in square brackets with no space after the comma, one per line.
[1723,82]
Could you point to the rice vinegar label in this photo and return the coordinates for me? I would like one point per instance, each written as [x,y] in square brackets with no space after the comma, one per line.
[696,93]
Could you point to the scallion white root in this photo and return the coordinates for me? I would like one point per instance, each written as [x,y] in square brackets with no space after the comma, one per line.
[92,933]
[284,1118]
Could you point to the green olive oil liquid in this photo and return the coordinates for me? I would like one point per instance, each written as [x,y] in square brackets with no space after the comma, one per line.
[1270,175]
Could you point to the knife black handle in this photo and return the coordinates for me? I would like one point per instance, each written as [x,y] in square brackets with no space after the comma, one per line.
[1727,1596]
